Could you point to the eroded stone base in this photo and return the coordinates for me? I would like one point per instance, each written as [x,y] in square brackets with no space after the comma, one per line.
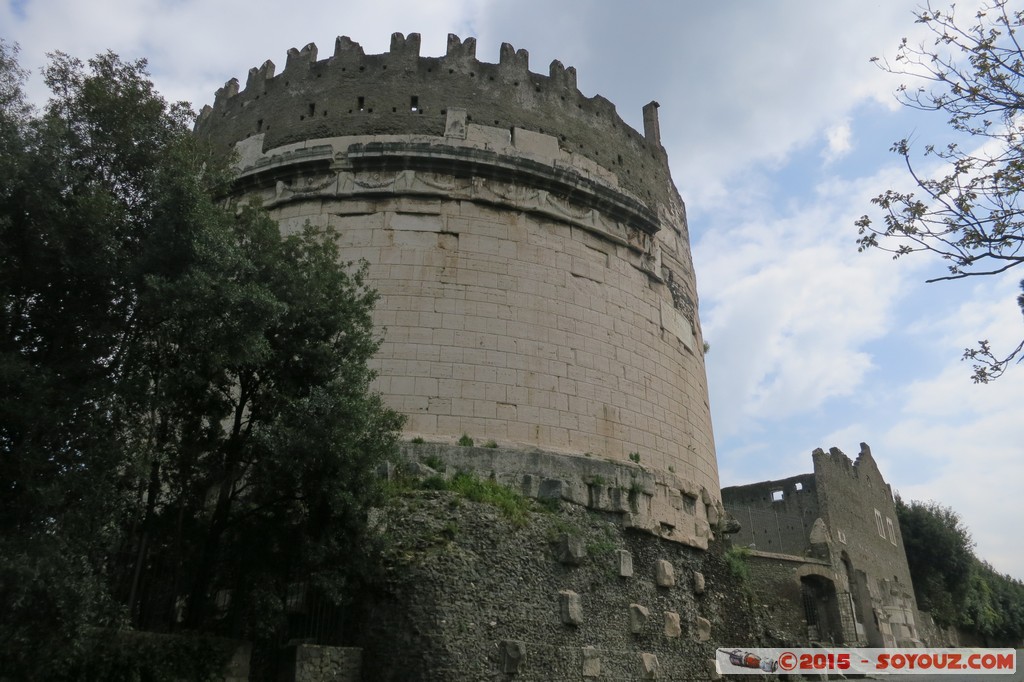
[653,501]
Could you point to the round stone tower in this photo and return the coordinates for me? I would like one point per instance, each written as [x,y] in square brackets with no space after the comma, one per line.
[532,256]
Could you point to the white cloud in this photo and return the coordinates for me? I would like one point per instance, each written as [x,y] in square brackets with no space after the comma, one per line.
[839,138]
[789,306]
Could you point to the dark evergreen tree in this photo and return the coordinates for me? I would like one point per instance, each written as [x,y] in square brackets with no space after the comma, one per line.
[185,404]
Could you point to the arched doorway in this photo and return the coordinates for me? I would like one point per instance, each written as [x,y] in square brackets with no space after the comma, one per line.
[821,610]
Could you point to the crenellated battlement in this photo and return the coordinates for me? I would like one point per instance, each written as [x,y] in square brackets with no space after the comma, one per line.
[399,92]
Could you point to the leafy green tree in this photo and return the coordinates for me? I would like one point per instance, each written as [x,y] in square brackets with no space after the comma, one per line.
[185,409]
[970,214]
[939,554]
[949,581]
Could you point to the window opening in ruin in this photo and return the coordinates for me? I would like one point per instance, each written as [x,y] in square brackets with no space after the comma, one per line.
[259,125]
[892,532]
[361,103]
[312,109]
[798,486]
[776,496]
[878,522]
[414,103]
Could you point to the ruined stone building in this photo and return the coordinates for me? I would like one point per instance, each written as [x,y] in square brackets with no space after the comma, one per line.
[530,250]
[538,298]
[831,542]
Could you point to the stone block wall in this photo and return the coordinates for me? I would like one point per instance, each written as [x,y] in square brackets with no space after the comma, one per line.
[653,501]
[530,251]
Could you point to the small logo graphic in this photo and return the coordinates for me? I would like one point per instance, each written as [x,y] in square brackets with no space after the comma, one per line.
[746,659]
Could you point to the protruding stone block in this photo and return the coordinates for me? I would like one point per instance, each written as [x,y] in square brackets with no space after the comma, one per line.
[649,666]
[511,58]
[672,627]
[405,46]
[570,550]
[386,470]
[459,49]
[299,61]
[343,45]
[703,629]
[513,655]
[625,563]
[455,123]
[638,616]
[652,130]
[571,607]
[698,582]
[591,662]
[664,573]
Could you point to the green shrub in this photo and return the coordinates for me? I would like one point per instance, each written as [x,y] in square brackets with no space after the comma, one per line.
[433,461]
[512,504]
[736,560]
[466,441]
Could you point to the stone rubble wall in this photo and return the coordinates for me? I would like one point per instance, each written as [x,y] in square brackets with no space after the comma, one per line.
[467,594]
[327,663]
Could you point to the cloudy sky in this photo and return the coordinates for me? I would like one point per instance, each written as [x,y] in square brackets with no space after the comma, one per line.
[777,128]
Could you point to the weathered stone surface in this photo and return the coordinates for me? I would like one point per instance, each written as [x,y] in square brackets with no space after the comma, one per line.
[449,599]
[386,470]
[315,663]
[513,655]
[638,616]
[855,534]
[698,582]
[703,629]
[729,525]
[625,563]
[819,532]
[571,550]
[672,627]
[419,470]
[714,672]
[664,573]
[591,662]
[536,204]
[571,607]
[649,666]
